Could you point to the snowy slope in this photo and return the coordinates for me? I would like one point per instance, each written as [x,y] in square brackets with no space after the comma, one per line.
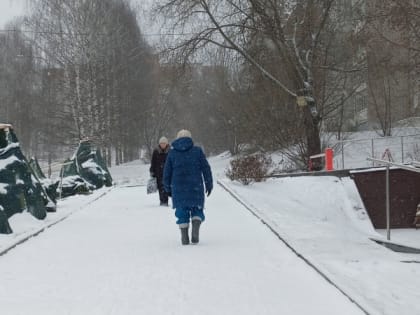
[323,219]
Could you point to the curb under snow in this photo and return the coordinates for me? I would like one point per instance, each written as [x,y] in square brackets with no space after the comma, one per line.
[323,274]
[26,236]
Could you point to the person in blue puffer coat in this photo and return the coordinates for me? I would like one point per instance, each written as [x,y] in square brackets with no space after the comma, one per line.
[186,168]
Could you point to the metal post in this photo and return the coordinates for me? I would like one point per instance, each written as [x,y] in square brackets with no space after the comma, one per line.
[329,159]
[373,153]
[388,230]
[342,153]
[62,176]
[402,149]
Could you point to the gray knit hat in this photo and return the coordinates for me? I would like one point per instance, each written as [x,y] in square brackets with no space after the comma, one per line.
[163,140]
[183,133]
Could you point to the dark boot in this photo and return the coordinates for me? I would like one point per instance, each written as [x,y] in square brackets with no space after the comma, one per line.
[195,233]
[184,236]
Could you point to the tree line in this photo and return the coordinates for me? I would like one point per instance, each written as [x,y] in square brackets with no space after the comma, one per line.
[306,66]
[240,74]
[76,70]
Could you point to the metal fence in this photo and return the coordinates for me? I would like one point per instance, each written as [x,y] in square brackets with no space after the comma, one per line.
[353,153]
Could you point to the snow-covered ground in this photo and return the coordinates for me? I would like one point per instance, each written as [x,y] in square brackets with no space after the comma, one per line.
[122,255]
[25,225]
[323,219]
[117,252]
[403,147]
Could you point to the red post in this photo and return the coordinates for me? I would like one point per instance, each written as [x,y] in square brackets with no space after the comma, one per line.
[329,154]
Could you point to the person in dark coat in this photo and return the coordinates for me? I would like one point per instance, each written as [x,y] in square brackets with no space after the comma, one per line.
[185,169]
[156,168]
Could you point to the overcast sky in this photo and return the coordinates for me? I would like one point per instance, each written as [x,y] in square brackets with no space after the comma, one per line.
[10,9]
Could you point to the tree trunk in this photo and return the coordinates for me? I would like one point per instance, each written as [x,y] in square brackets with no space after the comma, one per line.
[312,138]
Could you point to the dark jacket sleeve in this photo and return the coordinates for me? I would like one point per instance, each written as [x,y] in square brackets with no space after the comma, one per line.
[167,173]
[206,170]
[153,163]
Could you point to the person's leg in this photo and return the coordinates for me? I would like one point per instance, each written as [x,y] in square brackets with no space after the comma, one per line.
[183,216]
[197,216]
[163,196]
[183,221]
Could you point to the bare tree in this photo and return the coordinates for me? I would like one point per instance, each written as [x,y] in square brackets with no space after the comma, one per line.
[294,32]
[16,80]
[104,68]
[159,113]
[393,43]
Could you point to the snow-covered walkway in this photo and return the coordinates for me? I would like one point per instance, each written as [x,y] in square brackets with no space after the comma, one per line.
[122,255]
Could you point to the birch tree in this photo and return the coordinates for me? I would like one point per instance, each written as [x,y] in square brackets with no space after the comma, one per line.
[105,67]
[17,88]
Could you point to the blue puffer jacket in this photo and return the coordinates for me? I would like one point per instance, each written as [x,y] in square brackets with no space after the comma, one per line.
[185,168]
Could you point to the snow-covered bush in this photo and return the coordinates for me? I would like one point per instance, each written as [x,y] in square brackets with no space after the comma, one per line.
[4,223]
[250,168]
[74,185]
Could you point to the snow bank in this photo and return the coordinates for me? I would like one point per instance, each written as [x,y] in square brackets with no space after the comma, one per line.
[324,220]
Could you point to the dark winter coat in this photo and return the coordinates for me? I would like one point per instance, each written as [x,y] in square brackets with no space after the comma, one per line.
[185,169]
[158,162]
